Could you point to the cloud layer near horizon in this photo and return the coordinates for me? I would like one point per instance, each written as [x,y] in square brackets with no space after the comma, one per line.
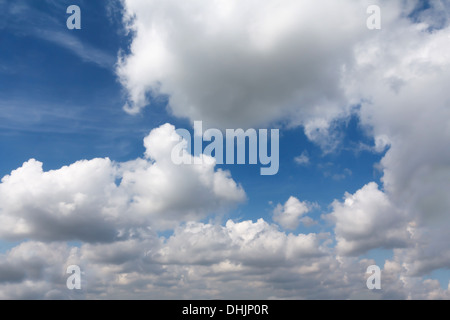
[123,256]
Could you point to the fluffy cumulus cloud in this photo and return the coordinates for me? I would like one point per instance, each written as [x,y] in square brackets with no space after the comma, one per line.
[367,220]
[240,63]
[292,213]
[245,243]
[99,200]
[239,260]
[400,77]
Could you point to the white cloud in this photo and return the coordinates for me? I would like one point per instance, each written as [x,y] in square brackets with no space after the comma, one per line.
[302,159]
[34,270]
[26,20]
[400,77]
[84,51]
[240,64]
[289,215]
[244,243]
[82,201]
[367,220]
[237,260]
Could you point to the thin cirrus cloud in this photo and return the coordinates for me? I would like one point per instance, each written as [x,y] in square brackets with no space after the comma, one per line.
[24,19]
[84,51]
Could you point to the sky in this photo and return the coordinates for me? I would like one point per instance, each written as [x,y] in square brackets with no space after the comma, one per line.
[89,118]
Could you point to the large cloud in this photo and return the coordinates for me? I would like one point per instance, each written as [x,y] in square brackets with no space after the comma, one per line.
[401,77]
[241,63]
[99,200]
[239,260]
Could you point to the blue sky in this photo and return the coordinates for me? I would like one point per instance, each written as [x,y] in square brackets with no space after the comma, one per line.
[62,97]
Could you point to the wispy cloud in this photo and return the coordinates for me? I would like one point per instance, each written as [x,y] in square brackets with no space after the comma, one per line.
[86,52]
[25,20]
[302,159]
